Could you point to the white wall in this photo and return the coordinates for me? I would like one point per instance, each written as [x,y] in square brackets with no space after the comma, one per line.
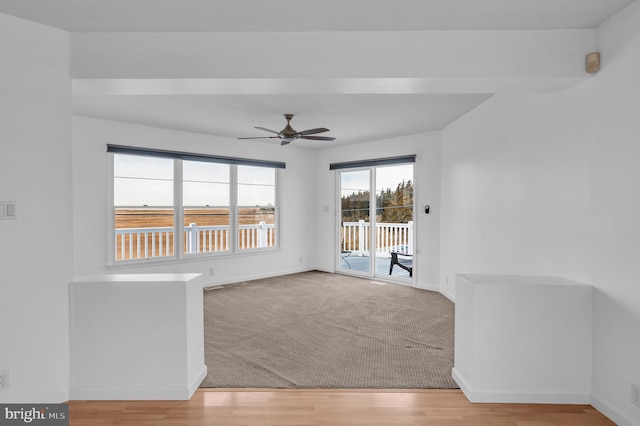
[548,185]
[90,137]
[35,171]
[615,178]
[426,146]
[515,188]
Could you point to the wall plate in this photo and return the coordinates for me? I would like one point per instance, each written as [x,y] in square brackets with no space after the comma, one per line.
[8,210]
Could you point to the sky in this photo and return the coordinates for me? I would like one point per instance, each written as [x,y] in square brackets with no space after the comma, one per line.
[386,177]
[140,181]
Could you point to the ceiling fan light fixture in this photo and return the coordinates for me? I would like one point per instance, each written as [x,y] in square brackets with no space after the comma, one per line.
[289,134]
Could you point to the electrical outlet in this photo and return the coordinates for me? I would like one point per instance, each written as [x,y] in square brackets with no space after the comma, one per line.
[212,272]
[4,379]
[635,394]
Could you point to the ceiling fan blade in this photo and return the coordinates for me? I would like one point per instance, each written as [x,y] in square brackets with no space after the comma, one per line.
[313,131]
[267,130]
[285,142]
[318,138]
[262,137]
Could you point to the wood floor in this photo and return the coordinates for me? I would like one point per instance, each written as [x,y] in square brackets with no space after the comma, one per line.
[232,407]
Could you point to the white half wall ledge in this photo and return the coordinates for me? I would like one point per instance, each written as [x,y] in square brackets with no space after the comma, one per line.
[524,339]
[136,336]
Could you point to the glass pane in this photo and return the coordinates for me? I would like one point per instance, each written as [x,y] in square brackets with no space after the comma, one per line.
[256,186]
[394,220]
[142,181]
[207,215]
[199,171]
[143,207]
[256,227]
[142,192]
[206,230]
[354,220]
[394,194]
[256,195]
[256,175]
[205,184]
[143,167]
[205,194]
[143,232]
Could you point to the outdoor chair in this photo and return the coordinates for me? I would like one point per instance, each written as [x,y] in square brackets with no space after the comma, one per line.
[401,260]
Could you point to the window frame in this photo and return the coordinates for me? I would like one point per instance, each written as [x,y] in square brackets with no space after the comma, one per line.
[178,247]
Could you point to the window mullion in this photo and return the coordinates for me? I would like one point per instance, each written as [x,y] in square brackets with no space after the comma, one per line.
[233,206]
[178,210]
[278,189]
[112,243]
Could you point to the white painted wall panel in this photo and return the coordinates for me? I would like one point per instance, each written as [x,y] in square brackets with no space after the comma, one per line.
[36,249]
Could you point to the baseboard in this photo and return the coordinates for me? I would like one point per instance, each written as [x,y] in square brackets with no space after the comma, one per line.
[258,276]
[430,287]
[198,381]
[129,393]
[614,414]
[54,397]
[139,392]
[518,397]
[448,295]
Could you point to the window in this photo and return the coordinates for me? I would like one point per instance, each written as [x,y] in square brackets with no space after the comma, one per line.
[207,207]
[143,207]
[214,205]
[256,207]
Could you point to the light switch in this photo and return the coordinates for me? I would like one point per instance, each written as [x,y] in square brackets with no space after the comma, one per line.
[7,210]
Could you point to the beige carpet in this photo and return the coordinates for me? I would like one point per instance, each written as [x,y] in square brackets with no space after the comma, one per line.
[321,330]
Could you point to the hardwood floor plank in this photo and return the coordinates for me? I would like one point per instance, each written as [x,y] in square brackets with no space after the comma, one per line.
[316,407]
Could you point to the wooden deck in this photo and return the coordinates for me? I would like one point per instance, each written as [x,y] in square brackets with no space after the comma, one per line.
[361,264]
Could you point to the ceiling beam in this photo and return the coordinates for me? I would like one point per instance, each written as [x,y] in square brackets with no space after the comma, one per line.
[332,62]
[329,86]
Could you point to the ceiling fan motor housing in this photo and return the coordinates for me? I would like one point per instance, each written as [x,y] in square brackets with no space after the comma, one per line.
[288,132]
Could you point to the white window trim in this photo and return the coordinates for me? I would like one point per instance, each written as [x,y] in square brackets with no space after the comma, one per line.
[179,255]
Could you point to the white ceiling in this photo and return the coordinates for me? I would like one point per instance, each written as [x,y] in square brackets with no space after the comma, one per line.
[312,15]
[351,118]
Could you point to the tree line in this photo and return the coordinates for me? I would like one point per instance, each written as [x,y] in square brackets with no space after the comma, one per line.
[392,205]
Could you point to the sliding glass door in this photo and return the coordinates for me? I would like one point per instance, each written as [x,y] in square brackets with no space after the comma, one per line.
[355,212]
[376,235]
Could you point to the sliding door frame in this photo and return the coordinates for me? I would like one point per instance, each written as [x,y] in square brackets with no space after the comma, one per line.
[372,226]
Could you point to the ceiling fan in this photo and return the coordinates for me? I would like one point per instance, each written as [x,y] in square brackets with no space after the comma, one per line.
[288,134]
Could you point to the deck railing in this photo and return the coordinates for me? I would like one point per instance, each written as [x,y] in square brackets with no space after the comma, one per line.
[354,237]
[139,243]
